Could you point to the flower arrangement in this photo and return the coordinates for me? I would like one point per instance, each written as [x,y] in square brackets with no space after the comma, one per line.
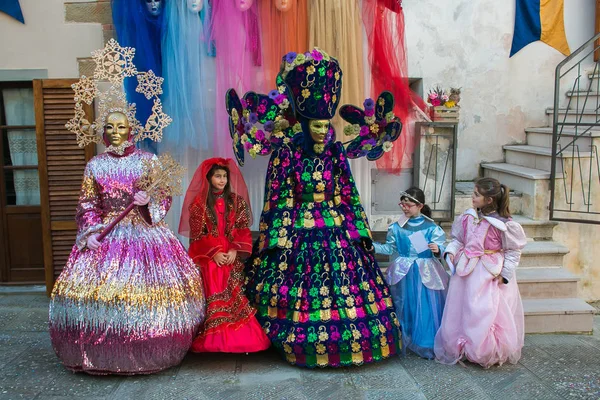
[438,97]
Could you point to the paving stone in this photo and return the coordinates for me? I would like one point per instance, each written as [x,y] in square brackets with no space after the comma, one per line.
[551,367]
[438,381]
[388,374]
[496,382]
[567,371]
[34,300]
[24,319]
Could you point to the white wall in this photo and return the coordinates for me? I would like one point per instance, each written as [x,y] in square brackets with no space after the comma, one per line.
[46,41]
[466,43]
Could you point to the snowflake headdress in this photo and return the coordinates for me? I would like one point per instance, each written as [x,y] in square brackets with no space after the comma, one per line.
[113,64]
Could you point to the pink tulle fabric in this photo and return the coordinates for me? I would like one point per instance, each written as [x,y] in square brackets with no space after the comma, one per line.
[483,319]
[237,39]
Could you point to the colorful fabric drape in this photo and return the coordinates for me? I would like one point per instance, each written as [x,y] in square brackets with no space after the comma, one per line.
[237,38]
[384,25]
[189,92]
[282,32]
[540,20]
[137,28]
[335,27]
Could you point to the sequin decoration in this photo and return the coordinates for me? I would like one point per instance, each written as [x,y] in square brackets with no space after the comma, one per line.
[319,295]
[134,305]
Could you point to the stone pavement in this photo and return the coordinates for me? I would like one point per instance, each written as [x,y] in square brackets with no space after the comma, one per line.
[552,367]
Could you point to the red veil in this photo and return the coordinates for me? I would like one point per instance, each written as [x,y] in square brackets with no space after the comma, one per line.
[197,192]
[384,25]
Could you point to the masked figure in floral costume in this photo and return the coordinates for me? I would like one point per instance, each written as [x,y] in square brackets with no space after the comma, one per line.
[312,277]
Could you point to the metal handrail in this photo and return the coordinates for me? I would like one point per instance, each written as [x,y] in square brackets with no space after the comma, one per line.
[581,99]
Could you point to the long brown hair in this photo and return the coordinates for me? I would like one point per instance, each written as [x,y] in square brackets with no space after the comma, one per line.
[211,198]
[499,193]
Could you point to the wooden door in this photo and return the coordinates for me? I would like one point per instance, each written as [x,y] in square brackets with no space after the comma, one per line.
[62,163]
[21,255]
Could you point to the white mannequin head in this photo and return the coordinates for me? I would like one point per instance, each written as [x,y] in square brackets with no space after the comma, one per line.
[283,5]
[244,5]
[195,5]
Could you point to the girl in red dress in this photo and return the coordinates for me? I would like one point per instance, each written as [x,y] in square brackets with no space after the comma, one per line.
[216,217]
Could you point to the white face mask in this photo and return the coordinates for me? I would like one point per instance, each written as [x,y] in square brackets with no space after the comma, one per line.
[195,5]
[154,7]
[243,5]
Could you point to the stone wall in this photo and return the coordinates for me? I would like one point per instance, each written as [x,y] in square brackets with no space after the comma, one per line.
[98,12]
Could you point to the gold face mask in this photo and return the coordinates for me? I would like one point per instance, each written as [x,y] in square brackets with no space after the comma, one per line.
[116,128]
[318,129]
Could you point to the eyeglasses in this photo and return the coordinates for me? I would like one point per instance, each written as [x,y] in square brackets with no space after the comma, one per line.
[405,203]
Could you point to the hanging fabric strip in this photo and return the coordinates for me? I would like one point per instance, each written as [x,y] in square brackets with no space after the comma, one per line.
[284,27]
[335,27]
[384,25]
[137,27]
[189,93]
[237,44]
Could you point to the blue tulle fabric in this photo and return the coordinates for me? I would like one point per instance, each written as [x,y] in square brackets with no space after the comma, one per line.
[188,92]
[136,27]
[189,87]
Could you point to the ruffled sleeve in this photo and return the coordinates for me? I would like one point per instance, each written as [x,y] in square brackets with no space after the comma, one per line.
[458,236]
[89,213]
[438,236]
[389,247]
[347,199]
[203,245]
[513,241]
[241,235]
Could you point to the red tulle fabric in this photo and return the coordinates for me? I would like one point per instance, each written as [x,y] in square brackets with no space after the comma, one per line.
[384,25]
[199,186]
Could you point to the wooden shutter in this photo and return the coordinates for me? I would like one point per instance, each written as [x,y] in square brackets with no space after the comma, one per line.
[61,166]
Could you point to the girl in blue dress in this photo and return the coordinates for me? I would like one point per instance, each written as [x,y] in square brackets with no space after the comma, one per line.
[417,280]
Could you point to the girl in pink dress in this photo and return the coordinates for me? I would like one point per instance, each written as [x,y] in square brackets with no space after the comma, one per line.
[483,318]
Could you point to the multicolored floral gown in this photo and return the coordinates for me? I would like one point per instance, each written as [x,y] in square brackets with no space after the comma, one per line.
[230,325]
[320,296]
[135,304]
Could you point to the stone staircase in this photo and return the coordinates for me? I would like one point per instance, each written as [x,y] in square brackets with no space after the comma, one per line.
[549,290]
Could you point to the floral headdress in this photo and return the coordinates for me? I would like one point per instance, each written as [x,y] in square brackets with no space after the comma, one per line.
[113,64]
[314,81]
[308,86]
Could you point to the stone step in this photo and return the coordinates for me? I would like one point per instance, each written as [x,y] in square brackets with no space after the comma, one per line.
[592,75]
[571,315]
[531,182]
[582,93]
[542,254]
[535,255]
[539,157]
[534,229]
[587,115]
[552,283]
[542,137]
